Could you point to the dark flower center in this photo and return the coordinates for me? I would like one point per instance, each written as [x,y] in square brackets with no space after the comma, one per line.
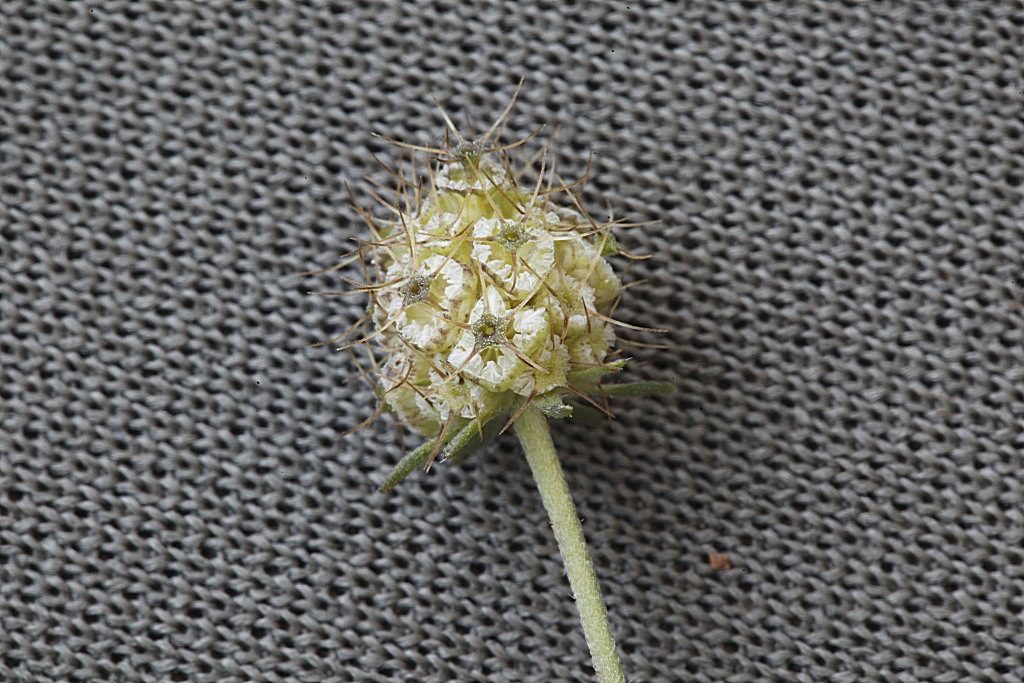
[415,289]
[512,235]
[489,331]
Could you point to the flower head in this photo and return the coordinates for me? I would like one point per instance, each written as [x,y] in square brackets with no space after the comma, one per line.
[488,292]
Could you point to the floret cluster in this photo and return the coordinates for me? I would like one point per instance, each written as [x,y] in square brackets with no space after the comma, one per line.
[487,288]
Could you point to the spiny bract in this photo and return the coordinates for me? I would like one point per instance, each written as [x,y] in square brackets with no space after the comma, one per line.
[485,293]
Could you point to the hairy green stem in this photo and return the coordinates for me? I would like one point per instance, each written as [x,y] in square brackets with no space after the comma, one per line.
[532,429]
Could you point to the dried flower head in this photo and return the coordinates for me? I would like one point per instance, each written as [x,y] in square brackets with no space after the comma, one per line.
[489,290]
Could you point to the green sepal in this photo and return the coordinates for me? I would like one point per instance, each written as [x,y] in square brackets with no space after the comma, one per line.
[586,379]
[458,449]
[411,461]
[591,417]
[493,424]
[587,416]
[638,389]
[459,444]
[551,403]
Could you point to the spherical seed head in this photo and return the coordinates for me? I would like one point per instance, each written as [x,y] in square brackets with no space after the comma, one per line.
[487,289]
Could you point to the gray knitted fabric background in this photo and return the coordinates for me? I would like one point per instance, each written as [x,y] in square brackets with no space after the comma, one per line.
[838,259]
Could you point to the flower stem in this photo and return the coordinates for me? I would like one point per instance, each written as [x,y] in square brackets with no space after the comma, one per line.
[532,429]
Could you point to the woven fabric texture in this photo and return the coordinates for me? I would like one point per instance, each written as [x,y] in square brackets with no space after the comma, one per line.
[837,256]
